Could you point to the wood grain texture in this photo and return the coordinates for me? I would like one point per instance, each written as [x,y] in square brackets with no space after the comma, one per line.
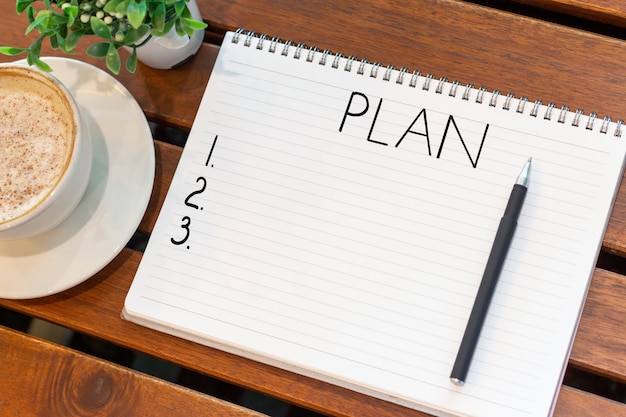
[166,159]
[573,402]
[456,39]
[38,378]
[93,308]
[171,97]
[611,12]
[599,346]
[615,236]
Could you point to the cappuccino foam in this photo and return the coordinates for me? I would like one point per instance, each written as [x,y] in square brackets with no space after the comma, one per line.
[36,141]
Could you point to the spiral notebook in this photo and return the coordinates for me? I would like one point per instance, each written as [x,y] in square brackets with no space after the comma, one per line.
[332,217]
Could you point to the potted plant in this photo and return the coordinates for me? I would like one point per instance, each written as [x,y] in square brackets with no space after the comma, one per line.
[112,24]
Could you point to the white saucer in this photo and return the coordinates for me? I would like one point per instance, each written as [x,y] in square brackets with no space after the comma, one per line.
[116,198]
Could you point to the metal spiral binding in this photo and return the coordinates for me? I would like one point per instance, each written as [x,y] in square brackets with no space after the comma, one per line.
[338,60]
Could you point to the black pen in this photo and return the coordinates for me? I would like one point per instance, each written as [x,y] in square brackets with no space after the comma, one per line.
[499,249]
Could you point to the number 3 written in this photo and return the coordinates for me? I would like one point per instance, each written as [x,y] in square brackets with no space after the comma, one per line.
[186,223]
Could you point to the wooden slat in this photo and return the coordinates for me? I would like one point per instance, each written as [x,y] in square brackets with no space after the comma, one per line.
[166,160]
[599,346]
[615,236]
[572,402]
[173,96]
[612,12]
[456,39]
[39,378]
[93,308]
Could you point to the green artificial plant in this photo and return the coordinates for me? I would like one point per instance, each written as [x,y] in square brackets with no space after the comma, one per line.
[112,24]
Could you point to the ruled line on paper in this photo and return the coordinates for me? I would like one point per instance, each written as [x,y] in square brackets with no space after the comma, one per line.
[276,231]
[588,180]
[531,294]
[465,250]
[409,366]
[375,152]
[350,305]
[414,189]
[412,291]
[569,225]
[414,219]
[291,339]
[344,335]
[254,74]
[560,212]
[375,248]
[407,377]
[347,237]
[591,173]
[211,225]
[415,212]
[281,301]
[348,301]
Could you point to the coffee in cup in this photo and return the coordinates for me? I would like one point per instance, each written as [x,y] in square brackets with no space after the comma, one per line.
[45,152]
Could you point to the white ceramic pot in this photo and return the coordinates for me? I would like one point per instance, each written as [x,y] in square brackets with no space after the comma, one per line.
[166,52]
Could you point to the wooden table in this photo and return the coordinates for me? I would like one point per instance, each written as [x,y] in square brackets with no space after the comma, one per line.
[461,40]
[607,12]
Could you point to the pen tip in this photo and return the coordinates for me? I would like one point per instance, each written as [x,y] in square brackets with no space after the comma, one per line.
[530,159]
[457,381]
[523,177]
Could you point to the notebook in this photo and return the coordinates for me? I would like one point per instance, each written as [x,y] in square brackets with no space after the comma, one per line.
[333,217]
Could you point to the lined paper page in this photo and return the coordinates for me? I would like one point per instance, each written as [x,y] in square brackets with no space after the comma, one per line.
[337,225]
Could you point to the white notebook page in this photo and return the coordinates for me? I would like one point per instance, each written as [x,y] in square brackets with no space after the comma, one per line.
[349,247]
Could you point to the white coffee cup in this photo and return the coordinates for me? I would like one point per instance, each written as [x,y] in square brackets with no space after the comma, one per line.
[45,152]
